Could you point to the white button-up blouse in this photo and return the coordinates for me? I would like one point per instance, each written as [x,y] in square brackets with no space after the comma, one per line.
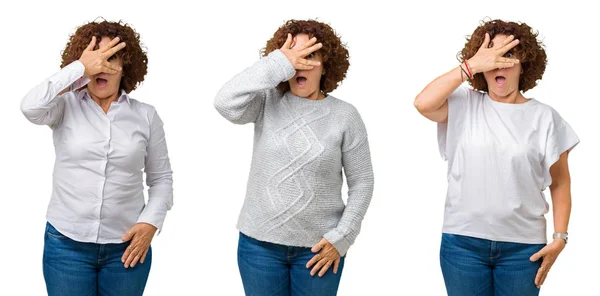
[97,193]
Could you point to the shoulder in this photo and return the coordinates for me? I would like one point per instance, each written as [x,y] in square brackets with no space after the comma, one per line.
[145,110]
[141,106]
[467,93]
[274,95]
[343,108]
[547,114]
[544,108]
[465,96]
[348,116]
[71,97]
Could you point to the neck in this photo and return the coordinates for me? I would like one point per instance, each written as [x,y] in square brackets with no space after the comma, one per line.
[514,97]
[315,96]
[104,103]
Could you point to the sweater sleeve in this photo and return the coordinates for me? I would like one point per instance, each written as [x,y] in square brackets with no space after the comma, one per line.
[356,161]
[241,99]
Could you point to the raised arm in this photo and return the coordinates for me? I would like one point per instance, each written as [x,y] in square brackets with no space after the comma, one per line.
[44,104]
[432,102]
[241,99]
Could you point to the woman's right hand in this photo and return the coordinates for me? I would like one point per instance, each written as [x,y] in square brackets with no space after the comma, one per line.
[487,59]
[96,61]
[296,54]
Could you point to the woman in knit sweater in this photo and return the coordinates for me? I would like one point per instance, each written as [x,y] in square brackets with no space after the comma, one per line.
[294,224]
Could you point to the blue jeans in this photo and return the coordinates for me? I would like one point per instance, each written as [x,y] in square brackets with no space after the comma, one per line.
[75,268]
[480,267]
[269,269]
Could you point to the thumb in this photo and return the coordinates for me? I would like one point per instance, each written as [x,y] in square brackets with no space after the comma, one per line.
[128,236]
[318,246]
[538,255]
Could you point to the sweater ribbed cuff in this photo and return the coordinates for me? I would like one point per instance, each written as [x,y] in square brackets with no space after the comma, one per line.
[338,241]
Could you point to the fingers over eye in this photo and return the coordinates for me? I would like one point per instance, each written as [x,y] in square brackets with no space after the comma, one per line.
[310,42]
[111,43]
[311,49]
[313,63]
[508,40]
[304,67]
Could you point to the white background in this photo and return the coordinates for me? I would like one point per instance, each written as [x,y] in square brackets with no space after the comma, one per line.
[194,48]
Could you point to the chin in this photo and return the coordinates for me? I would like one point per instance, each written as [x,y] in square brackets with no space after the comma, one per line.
[299,92]
[100,94]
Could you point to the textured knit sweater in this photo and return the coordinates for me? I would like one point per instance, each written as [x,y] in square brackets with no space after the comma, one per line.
[294,195]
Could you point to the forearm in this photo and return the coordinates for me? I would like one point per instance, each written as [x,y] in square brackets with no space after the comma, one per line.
[42,104]
[240,99]
[159,176]
[359,174]
[436,93]
[561,207]
[160,200]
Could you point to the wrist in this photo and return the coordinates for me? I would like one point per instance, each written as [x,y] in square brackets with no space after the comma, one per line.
[464,75]
[564,237]
[472,67]
[559,242]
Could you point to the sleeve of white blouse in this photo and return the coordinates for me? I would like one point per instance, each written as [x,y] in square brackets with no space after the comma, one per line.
[560,138]
[457,104]
[356,161]
[43,105]
[241,99]
[159,176]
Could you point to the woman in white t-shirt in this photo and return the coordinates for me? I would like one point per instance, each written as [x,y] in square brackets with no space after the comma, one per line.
[503,150]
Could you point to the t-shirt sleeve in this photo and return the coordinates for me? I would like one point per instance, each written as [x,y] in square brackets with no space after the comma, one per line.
[457,108]
[560,138]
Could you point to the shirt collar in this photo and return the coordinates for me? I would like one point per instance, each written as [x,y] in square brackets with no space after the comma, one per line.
[83,94]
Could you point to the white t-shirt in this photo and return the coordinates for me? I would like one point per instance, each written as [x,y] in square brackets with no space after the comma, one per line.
[499,157]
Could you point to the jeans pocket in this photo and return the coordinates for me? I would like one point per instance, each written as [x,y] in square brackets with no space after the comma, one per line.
[52,232]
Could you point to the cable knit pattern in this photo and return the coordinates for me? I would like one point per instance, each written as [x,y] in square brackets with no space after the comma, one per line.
[294,195]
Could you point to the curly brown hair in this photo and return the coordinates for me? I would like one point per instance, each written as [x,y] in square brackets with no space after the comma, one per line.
[135,61]
[334,53]
[529,51]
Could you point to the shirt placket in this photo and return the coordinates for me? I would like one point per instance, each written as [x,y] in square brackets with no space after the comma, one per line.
[107,119]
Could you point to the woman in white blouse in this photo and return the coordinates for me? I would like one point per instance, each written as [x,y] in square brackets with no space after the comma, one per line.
[99,229]
[503,150]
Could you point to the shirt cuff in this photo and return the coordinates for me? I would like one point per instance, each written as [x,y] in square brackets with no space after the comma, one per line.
[153,214]
[70,77]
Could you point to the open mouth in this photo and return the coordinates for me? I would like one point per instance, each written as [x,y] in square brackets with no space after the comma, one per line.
[101,82]
[301,80]
[500,80]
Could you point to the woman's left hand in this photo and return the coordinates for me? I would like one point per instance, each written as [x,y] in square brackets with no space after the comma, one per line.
[141,236]
[548,254]
[327,255]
